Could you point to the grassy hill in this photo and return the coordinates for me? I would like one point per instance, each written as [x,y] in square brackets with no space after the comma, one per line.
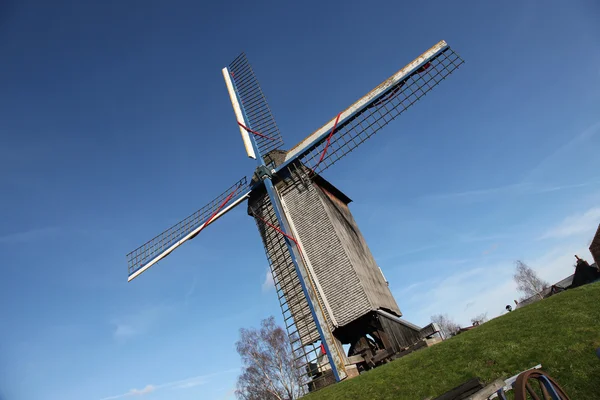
[561,333]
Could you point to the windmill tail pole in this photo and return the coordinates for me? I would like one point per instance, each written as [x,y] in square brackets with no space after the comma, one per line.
[310,275]
[334,357]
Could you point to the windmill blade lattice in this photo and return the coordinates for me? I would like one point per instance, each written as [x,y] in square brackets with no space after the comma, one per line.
[381,110]
[161,245]
[255,106]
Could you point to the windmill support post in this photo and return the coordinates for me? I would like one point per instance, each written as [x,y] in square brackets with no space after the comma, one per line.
[335,361]
[327,340]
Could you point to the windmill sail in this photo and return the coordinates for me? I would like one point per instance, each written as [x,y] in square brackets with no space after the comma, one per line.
[255,106]
[239,115]
[365,117]
[162,245]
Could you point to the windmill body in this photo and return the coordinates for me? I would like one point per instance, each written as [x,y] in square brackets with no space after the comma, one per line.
[351,288]
[349,281]
[330,288]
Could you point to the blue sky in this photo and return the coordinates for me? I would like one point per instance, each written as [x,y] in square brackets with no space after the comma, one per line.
[115,123]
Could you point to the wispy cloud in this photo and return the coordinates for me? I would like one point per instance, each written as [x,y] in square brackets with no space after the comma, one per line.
[452,238]
[464,294]
[475,237]
[133,392]
[517,189]
[565,151]
[413,286]
[191,382]
[229,395]
[550,188]
[123,330]
[139,322]
[577,224]
[28,236]
[174,385]
[440,262]
[268,284]
[491,249]
[395,255]
[407,290]
[191,290]
[477,193]
[482,287]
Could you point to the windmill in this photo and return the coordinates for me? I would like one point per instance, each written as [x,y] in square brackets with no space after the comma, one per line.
[331,290]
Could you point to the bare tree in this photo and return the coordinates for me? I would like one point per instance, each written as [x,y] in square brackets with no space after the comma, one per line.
[447,326]
[270,371]
[528,282]
[479,319]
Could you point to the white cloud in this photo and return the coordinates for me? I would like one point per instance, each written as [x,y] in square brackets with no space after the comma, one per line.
[464,295]
[477,194]
[268,284]
[133,392]
[139,322]
[191,382]
[560,261]
[174,385]
[578,224]
[28,236]
[398,254]
[483,288]
[191,290]
[564,152]
[517,189]
[412,287]
[490,249]
[229,395]
[123,331]
[146,390]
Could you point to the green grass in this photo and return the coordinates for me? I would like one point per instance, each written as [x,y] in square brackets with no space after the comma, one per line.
[561,333]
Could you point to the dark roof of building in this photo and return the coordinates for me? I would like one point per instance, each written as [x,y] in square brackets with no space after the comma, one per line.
[596,240]
[467,328]
[563,284]
[595,246]
[584,273]
[325,184]
[278,157]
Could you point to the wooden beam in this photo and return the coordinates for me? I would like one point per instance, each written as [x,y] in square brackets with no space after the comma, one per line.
[487,391]
[355,359]
[460,392]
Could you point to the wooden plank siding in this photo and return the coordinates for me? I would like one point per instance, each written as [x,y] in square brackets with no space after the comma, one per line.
[324,248]
[355,246]
[400,336]
[347,279]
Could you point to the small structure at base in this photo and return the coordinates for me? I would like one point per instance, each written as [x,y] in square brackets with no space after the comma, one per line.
[584,273]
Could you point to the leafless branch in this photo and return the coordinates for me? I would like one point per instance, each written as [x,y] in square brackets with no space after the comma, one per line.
[447,326]
[270,371]
[528,282]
